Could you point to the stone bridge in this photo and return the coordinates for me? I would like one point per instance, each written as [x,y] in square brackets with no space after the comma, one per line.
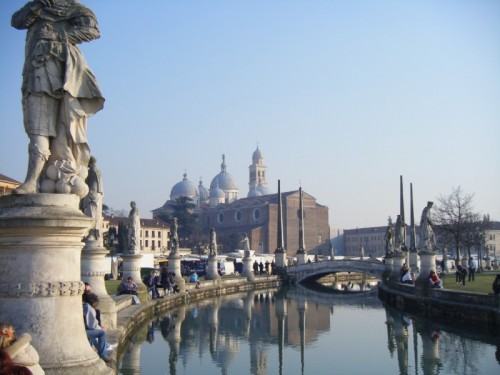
[317,270]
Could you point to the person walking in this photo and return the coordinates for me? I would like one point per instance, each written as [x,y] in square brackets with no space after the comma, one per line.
[472,269]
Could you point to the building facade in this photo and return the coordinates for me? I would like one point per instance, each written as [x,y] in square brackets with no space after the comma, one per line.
[257,214]
[7,184]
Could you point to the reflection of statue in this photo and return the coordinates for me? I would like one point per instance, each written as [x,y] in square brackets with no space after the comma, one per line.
[174,236]
[400,234]
[92,203]
[59,93]
[213,242]
[134,229]
[246,244]
[389,241]
[427,238]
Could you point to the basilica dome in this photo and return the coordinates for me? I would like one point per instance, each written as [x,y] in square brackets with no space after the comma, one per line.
[224,180]
[184,188]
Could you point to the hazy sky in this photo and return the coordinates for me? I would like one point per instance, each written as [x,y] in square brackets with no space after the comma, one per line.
[342,97]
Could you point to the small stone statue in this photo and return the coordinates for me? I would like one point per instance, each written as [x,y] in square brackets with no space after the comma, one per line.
[389,241]
[92,203]
[400,235]
[173,235]
[213,242]
[246,244]
[427,237]
[59,92]
[134,229]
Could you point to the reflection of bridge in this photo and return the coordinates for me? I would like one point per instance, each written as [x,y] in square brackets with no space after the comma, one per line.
[313,271]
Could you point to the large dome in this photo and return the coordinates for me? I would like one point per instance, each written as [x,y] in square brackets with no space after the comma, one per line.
[184,188]
[223,180]
[203,192]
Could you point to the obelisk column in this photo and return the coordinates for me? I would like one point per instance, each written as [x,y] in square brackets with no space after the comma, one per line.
[301,252]
[40,283]
[280,252]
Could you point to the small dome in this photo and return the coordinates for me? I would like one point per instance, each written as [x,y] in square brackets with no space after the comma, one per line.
[184,188]
[203,192]
[263,190]
[217,192]
[254,193]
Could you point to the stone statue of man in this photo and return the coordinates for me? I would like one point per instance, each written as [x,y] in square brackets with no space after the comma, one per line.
[92,203]
[134,229]
[400,234]
[213,242]
[174,235]
[59,92]
[246,244]
[389,241]
[427,237]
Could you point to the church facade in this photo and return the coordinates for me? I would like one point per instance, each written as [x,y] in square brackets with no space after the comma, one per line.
[257,214]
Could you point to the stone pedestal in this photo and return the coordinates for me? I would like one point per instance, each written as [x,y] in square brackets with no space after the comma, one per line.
[212,273]
[40,283]
[247,268]
[301,258]
[93,271]
[131,267]
[398,260]
[280,259]
[427,263]
[414,262]
[174,265]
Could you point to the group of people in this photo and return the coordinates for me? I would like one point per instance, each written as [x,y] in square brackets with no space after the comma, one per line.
[260,268]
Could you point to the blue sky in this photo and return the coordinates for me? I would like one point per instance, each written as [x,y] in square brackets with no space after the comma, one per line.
[342,97]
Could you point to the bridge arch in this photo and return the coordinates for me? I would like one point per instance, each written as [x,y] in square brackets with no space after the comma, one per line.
[316,270]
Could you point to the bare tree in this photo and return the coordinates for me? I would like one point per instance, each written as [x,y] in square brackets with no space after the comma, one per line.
[456,219]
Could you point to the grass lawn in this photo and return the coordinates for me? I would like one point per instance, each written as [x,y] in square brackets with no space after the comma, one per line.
[482,283]
[111,286]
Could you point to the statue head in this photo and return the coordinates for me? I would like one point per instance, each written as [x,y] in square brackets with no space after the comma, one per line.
[430,204]
[132,204]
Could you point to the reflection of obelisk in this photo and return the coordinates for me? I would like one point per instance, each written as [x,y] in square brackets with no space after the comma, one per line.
[301,252]
[281,314]
[302,309]
[131,362]
[280,253]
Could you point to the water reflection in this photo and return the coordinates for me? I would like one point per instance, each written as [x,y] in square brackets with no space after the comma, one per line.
[300,331]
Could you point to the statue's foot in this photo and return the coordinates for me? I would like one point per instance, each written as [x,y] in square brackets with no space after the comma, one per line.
[26,188]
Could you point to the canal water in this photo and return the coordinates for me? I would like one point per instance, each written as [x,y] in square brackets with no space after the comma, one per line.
[300,331]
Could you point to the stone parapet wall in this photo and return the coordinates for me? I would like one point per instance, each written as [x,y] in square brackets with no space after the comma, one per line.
[464,309]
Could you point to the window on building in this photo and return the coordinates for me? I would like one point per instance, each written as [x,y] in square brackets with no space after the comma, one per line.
[237,215]
[320,238]
[159,234]
[153,233]
[147,243]
[159,244]
[256,214]
[220,217]
[147,233]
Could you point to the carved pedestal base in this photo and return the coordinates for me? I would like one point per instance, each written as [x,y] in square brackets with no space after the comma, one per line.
[93,271]
[414,262]
[280,259]
[131,267]
[301,258]
[174,265]
[247,268]
[212,273]
[427,263]
[40,283]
